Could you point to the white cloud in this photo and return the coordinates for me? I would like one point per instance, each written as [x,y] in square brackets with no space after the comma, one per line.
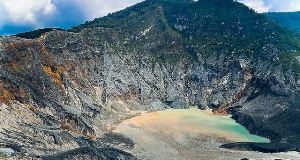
[273,5]
[97,8]
[288,5]
[24,11]
[257,5]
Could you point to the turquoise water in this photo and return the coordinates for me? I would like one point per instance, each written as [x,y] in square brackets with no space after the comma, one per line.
[189,122]
[211,124]
[187,134]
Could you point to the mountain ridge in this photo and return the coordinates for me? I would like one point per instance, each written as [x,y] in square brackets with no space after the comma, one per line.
[289,20]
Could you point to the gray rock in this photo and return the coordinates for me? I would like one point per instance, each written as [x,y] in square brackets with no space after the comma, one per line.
[6,152]
[179,103]
[215,104]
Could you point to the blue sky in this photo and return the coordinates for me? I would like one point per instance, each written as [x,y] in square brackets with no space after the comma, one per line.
[24,15]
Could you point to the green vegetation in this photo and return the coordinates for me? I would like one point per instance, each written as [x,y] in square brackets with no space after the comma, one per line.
[36,33]
[205,27]
[290,20]
[291,63]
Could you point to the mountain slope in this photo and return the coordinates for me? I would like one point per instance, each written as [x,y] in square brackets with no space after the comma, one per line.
[290,20]
[69,87]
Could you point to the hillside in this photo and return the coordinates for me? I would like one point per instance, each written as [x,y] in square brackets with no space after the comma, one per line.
[290,20]
[66,89]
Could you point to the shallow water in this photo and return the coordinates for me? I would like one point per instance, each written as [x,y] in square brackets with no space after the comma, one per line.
[189,134]
[180,123]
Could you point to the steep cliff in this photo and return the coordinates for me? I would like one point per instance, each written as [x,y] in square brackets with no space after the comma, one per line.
[63,89]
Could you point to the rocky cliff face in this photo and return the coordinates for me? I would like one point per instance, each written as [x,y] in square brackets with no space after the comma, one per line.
[64,89]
